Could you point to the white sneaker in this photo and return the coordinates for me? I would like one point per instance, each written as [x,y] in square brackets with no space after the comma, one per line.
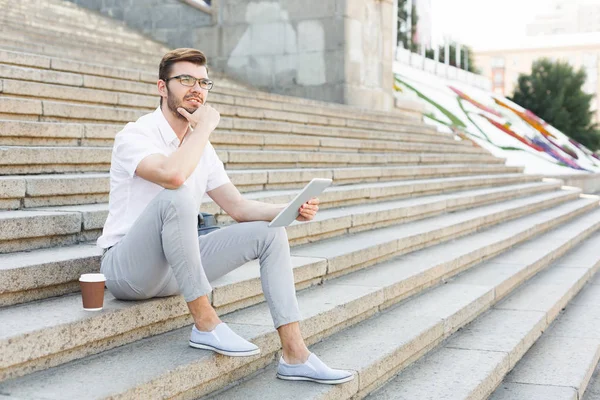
[223,341]
[313,370]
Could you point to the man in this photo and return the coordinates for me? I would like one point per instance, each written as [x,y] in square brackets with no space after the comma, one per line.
[160,169]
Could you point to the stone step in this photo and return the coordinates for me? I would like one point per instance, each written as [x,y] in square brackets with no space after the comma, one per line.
[26,133]
[592,392]
[49,227]
[69,15]
[402,134]
[48,80]
[327,309]
[487,349]
[395,338]
[53,226]
[71,96]
[27,191]
[29,60]
[17,187]
[245,96]
[135,73]
[76,53]
[563,360]
[31,276]
[96,37]
[42,35]
[78,24]
[75,20]
[36,160]
[77,80]
[235,132]
[45,110]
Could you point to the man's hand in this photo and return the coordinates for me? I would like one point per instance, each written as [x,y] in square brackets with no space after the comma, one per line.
[206,116]
[308,210]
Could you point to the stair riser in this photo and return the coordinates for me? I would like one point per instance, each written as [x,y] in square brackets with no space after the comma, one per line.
[75,227]
[73,20]
[245,142]
[82,104]
[176,305]
[28,193]
[488,385]
[274,101]
[33,33]
[372,378]
[368,379]
[30,286]
[362,258]
[123,61]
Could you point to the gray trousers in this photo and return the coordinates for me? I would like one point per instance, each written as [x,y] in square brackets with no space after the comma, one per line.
[162,255]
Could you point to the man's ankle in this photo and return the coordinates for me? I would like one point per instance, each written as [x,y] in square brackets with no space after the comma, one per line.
[207,325]
[298,356]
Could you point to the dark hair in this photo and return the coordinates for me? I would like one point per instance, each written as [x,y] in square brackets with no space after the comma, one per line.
[174,56]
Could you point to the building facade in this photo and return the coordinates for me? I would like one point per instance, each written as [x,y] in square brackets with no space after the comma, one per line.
[567,16]
[503,66]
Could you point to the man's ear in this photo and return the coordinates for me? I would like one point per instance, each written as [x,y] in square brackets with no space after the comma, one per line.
[162,88]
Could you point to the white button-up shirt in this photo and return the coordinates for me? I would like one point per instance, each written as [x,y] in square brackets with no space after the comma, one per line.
[129,193]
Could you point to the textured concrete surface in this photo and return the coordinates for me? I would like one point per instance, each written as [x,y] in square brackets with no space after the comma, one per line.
[473,375]
[74,108]
[558,361]
[592,391]
[503,334]
[520,391]
[444,319]
[484,347]
[507,331]
[248,275]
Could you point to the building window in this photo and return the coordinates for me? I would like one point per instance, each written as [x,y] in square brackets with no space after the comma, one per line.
[590,60]
[498,62]
[498,78]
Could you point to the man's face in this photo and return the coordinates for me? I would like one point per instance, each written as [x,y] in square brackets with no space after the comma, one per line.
[178,95]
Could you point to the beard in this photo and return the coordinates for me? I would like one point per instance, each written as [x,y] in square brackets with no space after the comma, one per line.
[174,103]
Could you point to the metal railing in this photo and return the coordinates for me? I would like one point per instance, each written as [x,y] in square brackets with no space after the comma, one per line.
[417,61]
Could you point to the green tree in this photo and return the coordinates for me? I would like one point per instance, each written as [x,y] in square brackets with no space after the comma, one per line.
[463,50]
[403,35]
[553,91]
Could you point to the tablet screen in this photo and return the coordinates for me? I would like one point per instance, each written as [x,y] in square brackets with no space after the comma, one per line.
[290,212]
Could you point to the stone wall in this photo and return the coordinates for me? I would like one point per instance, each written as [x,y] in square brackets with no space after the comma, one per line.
[288,47]
[369,52]
[332,50]
[169,21]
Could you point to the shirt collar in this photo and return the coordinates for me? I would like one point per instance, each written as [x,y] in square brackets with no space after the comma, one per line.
[167,133]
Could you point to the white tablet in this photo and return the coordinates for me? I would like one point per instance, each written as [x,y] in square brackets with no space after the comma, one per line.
[290,212]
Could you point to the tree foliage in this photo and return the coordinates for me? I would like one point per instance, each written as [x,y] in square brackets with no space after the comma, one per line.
[554,92]
[403,35]
[464,50]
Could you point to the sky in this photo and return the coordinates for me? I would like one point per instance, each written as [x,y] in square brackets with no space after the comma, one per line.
[484,23]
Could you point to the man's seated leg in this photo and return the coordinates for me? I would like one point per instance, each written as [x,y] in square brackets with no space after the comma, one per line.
[163,244]
[228,248]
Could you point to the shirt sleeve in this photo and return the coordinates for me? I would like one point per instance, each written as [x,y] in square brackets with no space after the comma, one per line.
[130,148]
[217,175]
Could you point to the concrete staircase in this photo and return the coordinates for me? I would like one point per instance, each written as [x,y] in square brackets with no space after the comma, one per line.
[430,258]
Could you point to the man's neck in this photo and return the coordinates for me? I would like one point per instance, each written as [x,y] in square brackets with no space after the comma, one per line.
[180,126]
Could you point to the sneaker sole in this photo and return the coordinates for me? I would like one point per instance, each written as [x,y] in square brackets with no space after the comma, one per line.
[225,352]
[305,378]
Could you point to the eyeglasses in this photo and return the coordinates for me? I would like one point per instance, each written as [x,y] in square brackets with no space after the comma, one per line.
[190,81]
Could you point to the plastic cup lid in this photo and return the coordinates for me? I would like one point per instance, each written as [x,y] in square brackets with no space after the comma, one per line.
[92,278]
